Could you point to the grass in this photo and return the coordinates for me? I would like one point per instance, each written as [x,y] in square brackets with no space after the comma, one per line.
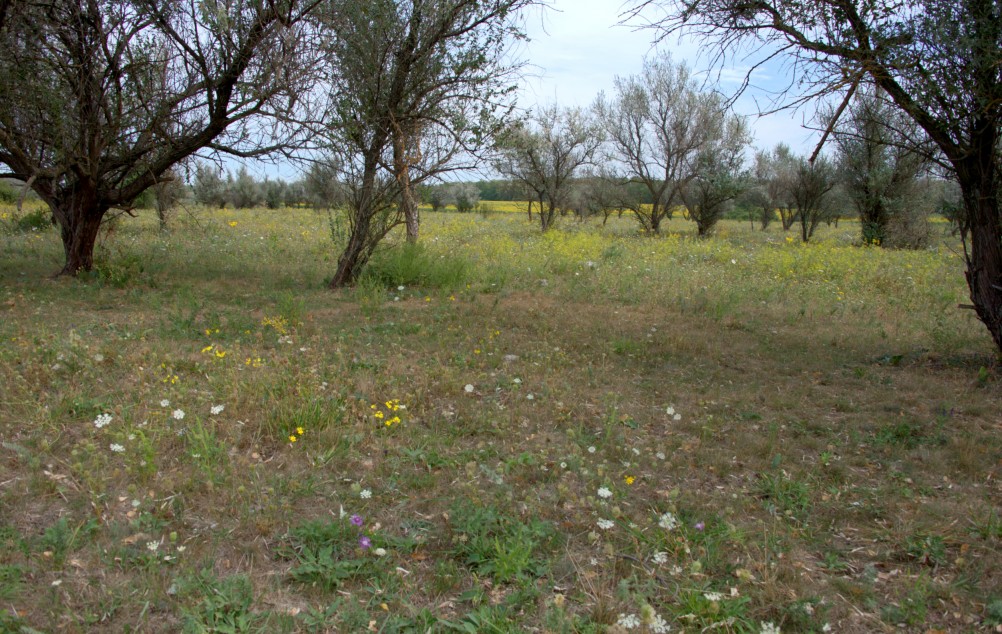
[571,432]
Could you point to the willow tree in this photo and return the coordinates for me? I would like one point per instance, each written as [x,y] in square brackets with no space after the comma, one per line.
[939,61]
[547,153]
[99,99]
[417,88]
[659,126]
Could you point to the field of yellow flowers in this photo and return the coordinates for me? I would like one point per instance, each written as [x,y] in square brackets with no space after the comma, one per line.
[499,430]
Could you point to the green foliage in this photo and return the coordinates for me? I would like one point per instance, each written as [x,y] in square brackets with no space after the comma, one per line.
[927,549]
[37,220]
[785,495]
[223,605]
[8,194]
[494,543]
[327,554]
[413,265]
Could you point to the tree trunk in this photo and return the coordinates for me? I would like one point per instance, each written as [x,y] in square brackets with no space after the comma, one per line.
[546,215]
[410,209]
[354,257]
[358,250]
[79,219]
[984,261]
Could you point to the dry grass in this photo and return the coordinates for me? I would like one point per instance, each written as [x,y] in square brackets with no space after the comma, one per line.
[815,427]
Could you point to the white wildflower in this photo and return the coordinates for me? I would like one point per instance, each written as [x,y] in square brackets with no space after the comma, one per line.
[659,625]
[117,448]
[102,420]
[660,557]
[660,455]
[769,627]
[165,403]
[671,410]
[716,597]
[365,494]
[178,414]
[668,522]
[605,524]
[628,621]
[604,493]
[380,552]
[591,449]
[152,546]
[217,409]
[468,388]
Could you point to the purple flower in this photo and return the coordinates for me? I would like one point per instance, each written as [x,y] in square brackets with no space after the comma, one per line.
[700,526]
[356,520]
[364,542]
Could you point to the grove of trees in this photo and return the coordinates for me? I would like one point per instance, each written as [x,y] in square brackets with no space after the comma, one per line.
[107,101]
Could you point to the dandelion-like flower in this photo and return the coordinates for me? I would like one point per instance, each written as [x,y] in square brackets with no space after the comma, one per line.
[605,524]
[102,420]
[668,521]
[365,494]
[292,438]
[178,414]
[604,493]
[629,479]
[217,409]
[117,448]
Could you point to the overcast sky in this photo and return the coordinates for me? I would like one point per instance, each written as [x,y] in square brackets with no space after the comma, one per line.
[577,48]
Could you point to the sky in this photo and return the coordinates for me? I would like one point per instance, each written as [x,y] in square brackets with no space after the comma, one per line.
[578,47]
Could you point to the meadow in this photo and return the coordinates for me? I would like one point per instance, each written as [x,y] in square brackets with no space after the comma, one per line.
[587,430]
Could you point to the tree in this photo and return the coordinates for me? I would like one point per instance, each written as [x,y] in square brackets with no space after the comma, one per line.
[168,192]
[465,196]
[657,125]
[415,87]
[774,173]
[243,191]
[545,154]
[811,192]
[879,163]
[719,175]
[937,60]
[100,99]
[208,187]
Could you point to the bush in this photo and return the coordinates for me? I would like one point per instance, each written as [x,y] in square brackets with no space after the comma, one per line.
[37,220]
[413,265]
[7,194]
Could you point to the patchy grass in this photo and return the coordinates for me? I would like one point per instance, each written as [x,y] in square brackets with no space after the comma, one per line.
[499,431]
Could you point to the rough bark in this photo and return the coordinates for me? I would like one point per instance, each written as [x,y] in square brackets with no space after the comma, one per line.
[79,219]
[984,258]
